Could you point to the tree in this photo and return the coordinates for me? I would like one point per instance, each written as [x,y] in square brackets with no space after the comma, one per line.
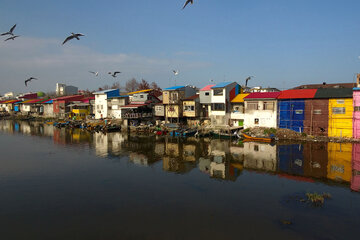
[157,90]
[131,85]
[143,85]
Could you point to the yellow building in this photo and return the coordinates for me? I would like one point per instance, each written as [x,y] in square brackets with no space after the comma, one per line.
[80,114]
[341,117]
[339,161]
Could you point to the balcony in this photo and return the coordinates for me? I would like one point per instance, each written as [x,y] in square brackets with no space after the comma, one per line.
[136,115]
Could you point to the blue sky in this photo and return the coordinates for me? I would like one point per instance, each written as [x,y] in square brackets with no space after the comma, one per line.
[282,43]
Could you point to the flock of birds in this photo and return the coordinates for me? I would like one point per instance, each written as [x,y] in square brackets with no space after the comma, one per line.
[11,36]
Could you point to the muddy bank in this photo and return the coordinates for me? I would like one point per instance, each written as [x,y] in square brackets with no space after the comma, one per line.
[281,134]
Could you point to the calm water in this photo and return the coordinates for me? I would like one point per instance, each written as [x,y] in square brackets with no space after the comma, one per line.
[70,184]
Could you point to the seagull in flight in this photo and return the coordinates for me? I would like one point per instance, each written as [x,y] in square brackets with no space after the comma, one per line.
[95,73]
[187,2]
[73,35]
[176,72]
[113,74]
[11,38]
[9,32]
[28,80]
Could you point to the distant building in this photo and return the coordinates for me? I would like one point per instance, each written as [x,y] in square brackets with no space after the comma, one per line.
[64,90]
[326,85]
[261,89]
[205,101]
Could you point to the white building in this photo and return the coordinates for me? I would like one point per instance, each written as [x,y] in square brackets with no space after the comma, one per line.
[221,96]
[102,109]
[64,90]
[261,110]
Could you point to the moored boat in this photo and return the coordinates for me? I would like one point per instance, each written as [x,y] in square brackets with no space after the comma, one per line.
[257,139]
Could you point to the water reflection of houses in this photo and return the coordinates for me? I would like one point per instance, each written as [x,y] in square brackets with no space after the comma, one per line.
[220,161]
[180,155]
[260,156]
[339,161]
[355,178]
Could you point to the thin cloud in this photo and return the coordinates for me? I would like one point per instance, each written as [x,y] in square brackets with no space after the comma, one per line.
[52,63]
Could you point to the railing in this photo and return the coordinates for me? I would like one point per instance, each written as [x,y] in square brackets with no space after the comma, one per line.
[136,115]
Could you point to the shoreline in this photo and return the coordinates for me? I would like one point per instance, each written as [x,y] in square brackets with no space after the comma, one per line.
[281,135]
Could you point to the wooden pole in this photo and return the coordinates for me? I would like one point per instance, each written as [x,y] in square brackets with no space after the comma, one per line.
[311,119]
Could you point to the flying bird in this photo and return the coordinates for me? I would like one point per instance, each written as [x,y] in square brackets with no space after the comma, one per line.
[73,35]
[9,32]
[187,2]
[95,73]
[28,80]
[176,72]
[113,74]
[11,38]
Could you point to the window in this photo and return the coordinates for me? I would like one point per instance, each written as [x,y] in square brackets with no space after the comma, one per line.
[256,148]
[189,108]
[256,121]
[268,106]
[338,110]
[207,93]
[218,107]
[97,107]
[340,101]
[252,105]
[218,92]
[356,109]
[158,108]
[317,111]
[141,96]
[102,107]
[299,111]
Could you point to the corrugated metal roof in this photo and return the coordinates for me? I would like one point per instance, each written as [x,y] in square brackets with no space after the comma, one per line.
[207,88]
[105,91]
[49,101]
[297,94]
[334,93]
[261,95]
[140,91]
[12,101]
[240,98]
[174,88]
[326,85]
[67,97]
[191,98]
[222,85]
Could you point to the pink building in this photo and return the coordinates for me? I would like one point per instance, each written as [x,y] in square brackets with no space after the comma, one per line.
[356,104]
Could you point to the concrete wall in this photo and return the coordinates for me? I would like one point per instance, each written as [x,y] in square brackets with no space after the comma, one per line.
[266,118]
[205,99]
[101,107]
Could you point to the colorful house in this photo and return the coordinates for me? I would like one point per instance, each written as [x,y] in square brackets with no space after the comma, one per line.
[291,108]
[172,100]
[340,110]
[221,96]
[205,101]
[191,107]
[261,110]
[238,110]
[101,102]
[356,116]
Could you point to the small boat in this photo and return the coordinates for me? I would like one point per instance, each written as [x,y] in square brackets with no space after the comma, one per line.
[113,128]
[257,139]
[189,132]
[224,135]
